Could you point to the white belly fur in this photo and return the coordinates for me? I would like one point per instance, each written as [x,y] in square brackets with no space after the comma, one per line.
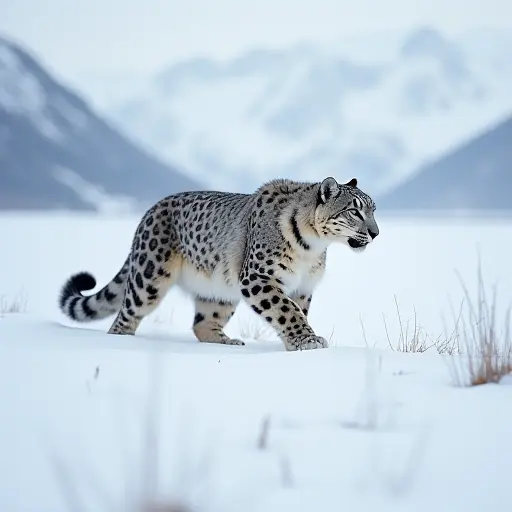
[211,287]
[216,286]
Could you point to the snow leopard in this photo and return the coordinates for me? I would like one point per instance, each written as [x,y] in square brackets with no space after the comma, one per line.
[267,249]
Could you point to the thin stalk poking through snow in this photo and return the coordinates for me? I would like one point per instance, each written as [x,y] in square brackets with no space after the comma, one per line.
[487,349]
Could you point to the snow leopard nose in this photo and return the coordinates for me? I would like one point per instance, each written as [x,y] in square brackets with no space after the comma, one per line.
[373,234]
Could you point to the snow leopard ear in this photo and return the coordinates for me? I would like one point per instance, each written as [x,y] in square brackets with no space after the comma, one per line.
[329,188]
[352,183]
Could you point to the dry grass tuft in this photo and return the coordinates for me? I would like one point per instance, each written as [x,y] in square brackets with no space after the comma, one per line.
[18,304]
[486,349]
[144,496]
[415,339]
[264,433]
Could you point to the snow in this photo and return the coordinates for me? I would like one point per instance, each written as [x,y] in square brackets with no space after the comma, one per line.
[351,428]
[77,119]
[92,194]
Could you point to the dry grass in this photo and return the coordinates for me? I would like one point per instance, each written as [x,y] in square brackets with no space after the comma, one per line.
[369,410]
[144,494]
[413,338]
[285,466]
[486,348]
[264,433]
[364,334]
[330,340]
[18,304]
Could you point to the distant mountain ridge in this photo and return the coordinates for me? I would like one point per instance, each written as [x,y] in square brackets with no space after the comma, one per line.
[475,176]
[55,152]
[308,112]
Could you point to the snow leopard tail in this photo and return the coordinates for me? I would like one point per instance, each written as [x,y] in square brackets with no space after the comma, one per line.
[101,304]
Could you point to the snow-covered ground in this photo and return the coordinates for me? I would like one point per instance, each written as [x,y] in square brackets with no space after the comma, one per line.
[351,428]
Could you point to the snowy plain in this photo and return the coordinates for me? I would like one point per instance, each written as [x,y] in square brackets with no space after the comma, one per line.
[250,428]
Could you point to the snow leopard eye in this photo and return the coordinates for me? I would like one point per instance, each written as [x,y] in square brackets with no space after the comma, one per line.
[355,213]
[357,203]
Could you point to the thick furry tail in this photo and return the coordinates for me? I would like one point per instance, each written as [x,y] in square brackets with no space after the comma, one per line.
[102,304]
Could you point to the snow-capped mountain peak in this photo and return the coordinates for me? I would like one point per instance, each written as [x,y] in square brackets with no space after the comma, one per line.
[56,152]
[307,112]
[27,90]
[428,43]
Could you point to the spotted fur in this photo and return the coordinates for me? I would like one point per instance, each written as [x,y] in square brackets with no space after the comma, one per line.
[267,249]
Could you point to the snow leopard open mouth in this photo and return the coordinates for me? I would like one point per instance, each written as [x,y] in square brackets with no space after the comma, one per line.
[356,244]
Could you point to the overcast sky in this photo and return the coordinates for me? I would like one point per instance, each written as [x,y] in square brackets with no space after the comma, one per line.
[100,36]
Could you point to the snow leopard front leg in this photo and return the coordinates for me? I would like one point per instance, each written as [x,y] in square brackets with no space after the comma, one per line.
[265,295]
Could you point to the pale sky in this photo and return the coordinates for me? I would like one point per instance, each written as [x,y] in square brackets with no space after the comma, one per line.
[76,38]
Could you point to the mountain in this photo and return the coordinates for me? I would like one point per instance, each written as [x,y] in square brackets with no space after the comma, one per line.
[476,176]
[376,108]
[55,152]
